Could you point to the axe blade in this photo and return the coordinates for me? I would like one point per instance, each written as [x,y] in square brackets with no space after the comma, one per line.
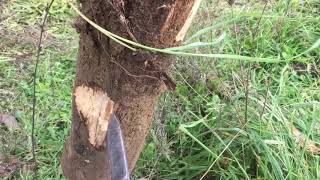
[116,151]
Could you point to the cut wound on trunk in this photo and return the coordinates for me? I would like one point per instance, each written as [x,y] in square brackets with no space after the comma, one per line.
[96,108]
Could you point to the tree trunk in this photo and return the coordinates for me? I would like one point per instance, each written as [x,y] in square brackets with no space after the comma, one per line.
[132,79]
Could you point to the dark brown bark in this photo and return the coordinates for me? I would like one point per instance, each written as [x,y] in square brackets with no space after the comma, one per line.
[133,80]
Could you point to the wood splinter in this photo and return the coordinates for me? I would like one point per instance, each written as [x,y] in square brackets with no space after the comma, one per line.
[182,33]
[96,108]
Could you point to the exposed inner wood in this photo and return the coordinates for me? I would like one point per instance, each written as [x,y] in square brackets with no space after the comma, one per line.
[96,108]
[182,33]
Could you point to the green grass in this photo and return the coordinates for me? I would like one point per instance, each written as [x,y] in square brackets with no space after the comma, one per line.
[203,123]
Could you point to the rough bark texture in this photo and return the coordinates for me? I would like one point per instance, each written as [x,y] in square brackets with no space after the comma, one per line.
[133,80]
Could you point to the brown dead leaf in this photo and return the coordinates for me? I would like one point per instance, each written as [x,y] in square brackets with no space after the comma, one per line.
[8,166]
[9,121]
[301,139]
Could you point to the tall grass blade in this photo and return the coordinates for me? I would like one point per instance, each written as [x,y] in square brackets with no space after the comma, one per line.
[126,42]
[198,44]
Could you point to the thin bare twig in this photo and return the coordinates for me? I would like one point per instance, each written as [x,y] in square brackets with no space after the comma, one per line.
[248,74]
[258,24]
[279,28]
[265,99]
[39,48]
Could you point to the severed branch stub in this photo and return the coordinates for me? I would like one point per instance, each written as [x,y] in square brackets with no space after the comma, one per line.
[96,108]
